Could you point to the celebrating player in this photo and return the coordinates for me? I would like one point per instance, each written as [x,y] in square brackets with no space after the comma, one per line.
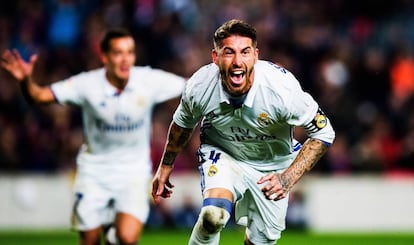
[249,160]
[113,165]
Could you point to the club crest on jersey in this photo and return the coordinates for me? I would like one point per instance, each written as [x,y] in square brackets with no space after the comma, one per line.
[141,101]
[263,119]
[212,170]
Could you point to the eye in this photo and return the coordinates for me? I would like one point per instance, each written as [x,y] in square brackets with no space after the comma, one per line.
[116,53]
[246,51]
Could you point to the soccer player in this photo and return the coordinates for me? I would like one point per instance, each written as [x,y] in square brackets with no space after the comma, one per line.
[114,169]
[248,158]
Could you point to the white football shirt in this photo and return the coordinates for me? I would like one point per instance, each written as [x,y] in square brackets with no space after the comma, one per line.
[260,131]
[117,126]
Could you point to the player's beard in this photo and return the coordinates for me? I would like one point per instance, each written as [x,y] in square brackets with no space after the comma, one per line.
[237,90]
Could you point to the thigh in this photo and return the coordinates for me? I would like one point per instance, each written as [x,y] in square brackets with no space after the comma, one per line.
[90,237]
[266,218]
[92,204]
[129,228]
[217,174]
[133,198]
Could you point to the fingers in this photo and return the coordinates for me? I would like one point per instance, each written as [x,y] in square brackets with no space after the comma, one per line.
[169,184]
[161,185]
[154,191]
[273,190]
[12,62]
[275,196]
[16,54]
[265,178]
[165,190]
[7,54]
[160,189]
[11,56]
[6,58]
[33,59]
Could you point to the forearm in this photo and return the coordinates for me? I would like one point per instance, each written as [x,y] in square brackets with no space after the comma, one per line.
[308,156]
[178,138]
[24,88]
[33,93]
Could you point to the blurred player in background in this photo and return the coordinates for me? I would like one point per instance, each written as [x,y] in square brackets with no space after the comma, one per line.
[113,165]
[249,160]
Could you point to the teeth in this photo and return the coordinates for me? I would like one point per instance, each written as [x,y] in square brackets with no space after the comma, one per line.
[237,72]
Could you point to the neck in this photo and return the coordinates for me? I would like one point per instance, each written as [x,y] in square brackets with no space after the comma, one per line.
[116,82]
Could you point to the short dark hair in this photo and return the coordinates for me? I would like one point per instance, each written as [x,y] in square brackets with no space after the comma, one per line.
[234,27]
[111,34]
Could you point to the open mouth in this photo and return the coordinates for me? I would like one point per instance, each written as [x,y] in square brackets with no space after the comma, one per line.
[237,77]
[124,68]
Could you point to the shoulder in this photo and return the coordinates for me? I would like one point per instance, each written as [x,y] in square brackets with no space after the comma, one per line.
[210,69]
[140,70]
[270,69]
[276,77]
[148,71]
[153,75]
[204,77]
[91,75]
[82,80]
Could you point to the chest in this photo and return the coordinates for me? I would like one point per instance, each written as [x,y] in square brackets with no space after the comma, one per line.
[244,120]
[124,108]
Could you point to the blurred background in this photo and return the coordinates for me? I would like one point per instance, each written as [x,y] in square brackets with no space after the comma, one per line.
[355,58]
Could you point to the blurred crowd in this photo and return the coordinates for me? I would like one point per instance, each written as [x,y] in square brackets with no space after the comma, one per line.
[355,57]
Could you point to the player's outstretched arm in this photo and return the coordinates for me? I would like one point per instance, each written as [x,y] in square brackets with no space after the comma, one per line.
[279,185]
[22,71]
[178,137]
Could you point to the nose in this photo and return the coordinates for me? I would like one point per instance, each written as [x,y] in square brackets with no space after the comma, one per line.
[237,60]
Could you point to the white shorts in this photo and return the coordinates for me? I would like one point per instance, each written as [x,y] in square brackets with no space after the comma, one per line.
[98,199]
[264,219]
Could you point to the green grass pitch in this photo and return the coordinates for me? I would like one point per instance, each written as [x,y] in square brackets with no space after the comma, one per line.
[228,237]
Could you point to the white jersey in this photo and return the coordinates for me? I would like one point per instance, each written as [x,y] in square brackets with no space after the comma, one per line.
[260,131]
[117,126]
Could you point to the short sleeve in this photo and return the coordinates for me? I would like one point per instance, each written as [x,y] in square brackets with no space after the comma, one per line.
[305,112]
[69,91]
[188,112]
[169,85]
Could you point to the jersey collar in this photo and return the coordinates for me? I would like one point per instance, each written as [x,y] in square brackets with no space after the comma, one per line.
[253,90]
[110,90]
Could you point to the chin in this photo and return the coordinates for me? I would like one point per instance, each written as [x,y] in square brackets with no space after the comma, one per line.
[124,76]
[236,92]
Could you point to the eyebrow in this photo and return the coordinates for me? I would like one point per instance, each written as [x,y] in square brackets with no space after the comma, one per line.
[232,49]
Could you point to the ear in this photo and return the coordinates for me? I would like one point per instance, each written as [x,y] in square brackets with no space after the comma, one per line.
[214,56]
[256,54]
[104,58]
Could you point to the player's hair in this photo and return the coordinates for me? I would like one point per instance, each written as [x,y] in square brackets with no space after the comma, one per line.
[112,34]
[231,28]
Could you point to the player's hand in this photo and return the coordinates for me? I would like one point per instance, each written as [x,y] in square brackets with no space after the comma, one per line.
[12,62]
[274,188]
[161,185]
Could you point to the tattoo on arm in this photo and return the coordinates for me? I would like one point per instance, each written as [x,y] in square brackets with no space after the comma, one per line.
[178,137]
[168,158]
[283,182]
[308,156]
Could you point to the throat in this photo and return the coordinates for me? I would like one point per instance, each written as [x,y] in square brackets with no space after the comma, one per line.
[237,102]
[118,83]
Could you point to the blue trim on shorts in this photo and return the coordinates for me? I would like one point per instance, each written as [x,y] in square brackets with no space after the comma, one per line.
[219,202]
[297,146]
[326,143]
